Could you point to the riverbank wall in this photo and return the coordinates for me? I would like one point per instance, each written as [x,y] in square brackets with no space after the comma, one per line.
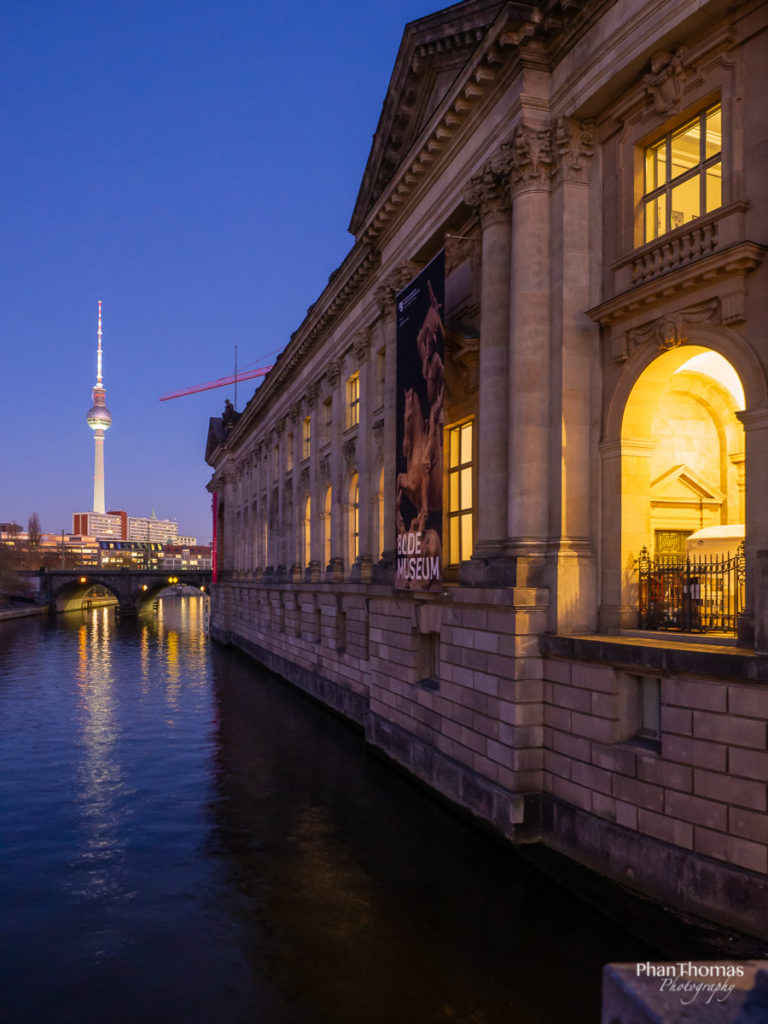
[538,735]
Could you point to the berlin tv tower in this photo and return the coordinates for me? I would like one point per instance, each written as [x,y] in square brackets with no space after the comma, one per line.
[99,420]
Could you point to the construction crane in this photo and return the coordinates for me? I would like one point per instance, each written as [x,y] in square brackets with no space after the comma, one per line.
[234,378]
[221,382]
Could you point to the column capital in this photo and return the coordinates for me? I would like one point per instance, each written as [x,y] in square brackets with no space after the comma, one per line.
[361,344]
[333,371]
[488,193]
[574,146]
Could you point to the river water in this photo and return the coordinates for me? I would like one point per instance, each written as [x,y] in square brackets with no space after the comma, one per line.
[184,838]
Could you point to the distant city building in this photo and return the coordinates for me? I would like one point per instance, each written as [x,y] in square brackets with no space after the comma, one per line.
[102,525]
[178,556]
[119,554]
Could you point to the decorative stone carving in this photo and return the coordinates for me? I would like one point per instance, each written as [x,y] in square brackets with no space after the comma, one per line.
[294,411]
[312,392]
[574,145]
[348,448]
[305,479]
[279,429]
[333,371]
[325,469]
[460,249]
[361,345]
[488,193]
[531,156]
[665,82]
[378,433]
[386,294]
[671,330]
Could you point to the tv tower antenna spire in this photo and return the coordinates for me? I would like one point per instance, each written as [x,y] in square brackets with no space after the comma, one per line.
[99,421]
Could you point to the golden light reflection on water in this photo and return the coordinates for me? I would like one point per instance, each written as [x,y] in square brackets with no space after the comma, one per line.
[100,779]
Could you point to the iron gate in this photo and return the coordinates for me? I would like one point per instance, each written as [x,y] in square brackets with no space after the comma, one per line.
[692,595]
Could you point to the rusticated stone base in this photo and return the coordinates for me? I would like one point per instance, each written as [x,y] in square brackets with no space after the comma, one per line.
[462,786]
[692,883]
[351,705]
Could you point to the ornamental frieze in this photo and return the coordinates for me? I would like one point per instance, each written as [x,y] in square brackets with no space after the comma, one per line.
[668,331]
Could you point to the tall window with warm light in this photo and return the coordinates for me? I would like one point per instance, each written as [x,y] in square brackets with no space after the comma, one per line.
[683,174]
[460,492]
[353,400]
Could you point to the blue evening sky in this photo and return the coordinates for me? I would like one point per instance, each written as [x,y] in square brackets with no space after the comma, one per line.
[193,164]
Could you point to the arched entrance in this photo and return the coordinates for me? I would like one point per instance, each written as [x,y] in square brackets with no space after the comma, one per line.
[675,463]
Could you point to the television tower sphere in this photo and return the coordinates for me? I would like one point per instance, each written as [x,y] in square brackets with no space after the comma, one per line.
[98,415]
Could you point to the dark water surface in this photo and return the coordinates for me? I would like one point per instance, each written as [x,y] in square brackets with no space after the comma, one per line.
[185,839]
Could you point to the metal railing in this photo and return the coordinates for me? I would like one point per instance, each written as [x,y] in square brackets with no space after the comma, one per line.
[691,595]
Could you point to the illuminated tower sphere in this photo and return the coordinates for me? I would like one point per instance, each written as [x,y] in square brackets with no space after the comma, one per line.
[99,420]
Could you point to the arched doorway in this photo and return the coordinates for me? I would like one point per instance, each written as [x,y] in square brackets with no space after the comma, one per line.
[675,463]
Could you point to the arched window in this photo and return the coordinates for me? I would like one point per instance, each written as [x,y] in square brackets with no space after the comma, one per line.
[353,525]
[327,528]
[307,532]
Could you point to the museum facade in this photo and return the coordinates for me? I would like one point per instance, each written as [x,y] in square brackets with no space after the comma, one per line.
[501,500]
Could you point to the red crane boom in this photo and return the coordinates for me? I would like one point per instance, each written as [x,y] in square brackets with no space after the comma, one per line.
[261,371]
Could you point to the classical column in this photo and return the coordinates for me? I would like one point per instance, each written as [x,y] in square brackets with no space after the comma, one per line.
[312,480]
[338,479]
[529,379]
[574,368]
[489,193]
[753,622]
[361,349]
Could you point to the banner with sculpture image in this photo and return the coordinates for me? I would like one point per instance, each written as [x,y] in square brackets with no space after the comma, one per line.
[419,436]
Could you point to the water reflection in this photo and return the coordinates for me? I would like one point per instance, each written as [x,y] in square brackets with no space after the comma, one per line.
[187,839]
[100,777]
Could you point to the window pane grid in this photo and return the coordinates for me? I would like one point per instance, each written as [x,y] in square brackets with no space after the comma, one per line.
[683,175]
[460,489]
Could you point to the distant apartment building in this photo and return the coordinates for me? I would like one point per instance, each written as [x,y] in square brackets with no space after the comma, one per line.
[125,554]
[118,525]
[186,556]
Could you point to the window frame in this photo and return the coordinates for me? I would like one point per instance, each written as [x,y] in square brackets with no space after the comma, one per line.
[463,511]
[664,191]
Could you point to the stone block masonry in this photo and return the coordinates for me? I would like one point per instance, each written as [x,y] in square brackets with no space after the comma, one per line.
[550,747]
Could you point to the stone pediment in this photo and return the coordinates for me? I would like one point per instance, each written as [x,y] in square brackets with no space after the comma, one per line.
[433,53]
[684,486]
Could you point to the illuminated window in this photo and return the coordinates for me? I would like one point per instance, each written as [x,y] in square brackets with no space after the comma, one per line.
[289,454]
[327,528]
[353,400]
[460,500]
[683,174]
[306,435]
[307,531]
[354,520]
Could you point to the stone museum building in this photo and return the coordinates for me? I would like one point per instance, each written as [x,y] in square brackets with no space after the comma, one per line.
[502,500]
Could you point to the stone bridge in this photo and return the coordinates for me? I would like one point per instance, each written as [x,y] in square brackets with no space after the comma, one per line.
[61,589]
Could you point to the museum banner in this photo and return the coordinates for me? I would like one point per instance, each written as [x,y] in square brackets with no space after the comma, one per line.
[419,436]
